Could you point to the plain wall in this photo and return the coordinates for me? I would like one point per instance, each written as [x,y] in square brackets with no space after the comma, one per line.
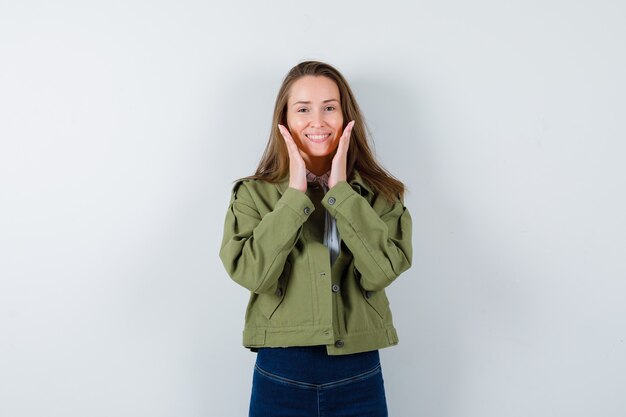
[122,125]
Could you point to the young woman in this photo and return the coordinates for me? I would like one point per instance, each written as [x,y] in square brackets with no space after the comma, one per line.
[316,235]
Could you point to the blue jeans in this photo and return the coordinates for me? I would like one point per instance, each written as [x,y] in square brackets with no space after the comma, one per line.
[307,382]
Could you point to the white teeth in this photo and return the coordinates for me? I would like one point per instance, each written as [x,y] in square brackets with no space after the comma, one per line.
[317,137]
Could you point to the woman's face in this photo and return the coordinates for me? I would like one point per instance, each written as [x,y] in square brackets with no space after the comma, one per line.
[314,116]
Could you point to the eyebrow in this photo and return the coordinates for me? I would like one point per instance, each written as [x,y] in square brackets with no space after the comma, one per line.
[308,102]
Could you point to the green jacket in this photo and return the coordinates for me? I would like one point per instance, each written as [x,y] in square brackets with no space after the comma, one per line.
[273,246]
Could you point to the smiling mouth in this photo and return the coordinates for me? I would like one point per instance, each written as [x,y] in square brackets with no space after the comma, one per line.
[318,138]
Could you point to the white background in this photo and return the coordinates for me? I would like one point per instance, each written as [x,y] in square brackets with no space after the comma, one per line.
[122,125]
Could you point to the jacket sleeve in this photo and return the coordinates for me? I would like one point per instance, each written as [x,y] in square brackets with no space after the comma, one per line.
[381,244]
[254,248]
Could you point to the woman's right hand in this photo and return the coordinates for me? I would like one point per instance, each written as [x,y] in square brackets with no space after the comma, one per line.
[297,167]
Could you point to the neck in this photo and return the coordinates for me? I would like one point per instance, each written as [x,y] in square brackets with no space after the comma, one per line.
[318,165]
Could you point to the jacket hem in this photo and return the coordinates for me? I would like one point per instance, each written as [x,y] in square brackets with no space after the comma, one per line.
[254,338]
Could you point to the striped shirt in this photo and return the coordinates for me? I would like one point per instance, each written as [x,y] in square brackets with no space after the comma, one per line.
[331,234]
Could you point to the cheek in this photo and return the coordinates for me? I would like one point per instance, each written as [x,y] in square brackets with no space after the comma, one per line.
[295,126]
[293,123]
[294,134]
[338,123]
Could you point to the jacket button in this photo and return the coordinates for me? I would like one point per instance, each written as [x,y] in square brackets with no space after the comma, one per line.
[339,343]
[331,200]
[335,288]
[368,294]
[307,210]
[279,292]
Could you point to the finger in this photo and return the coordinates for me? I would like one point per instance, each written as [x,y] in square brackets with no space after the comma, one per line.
[286,135]
[292,148]
[347,132]
[283,131]
[350,126]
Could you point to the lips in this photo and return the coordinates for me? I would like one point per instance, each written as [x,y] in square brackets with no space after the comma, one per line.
[318,138]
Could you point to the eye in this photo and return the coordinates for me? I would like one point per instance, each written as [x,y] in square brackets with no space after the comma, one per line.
[303,110]
[330,108]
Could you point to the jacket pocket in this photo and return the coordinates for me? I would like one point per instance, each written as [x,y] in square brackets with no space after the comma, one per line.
[268,303]
[377,300]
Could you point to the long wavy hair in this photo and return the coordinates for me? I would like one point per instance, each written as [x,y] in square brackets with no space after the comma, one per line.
[274,164]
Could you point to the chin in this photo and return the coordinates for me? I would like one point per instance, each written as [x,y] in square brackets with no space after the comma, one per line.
[319,152]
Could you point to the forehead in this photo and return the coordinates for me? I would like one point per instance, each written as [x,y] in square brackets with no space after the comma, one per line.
[313,88]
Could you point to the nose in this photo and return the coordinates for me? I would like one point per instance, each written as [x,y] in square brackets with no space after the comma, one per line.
[316,119]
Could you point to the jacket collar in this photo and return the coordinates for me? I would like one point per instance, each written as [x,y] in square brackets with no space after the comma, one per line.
[356,181]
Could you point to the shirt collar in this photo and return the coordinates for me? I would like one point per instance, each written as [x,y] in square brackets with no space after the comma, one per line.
[322,179]
[355,181]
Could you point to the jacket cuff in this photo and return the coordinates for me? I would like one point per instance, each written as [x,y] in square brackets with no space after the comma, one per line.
[297,201]
[337,195]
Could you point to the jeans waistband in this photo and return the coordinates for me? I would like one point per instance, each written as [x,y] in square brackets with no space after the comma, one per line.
[313,365]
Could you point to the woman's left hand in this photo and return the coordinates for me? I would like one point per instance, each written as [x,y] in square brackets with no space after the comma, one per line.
[340,160]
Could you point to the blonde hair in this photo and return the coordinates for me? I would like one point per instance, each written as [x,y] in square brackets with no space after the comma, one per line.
[274,164]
